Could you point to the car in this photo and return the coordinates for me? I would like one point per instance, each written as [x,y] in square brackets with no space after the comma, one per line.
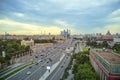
[62,66]
[30,66]
[37,63]
[41,61]
[43,65]
[28,73]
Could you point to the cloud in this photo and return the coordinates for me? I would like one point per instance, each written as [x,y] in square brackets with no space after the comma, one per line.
[114,28]
[77,15]
[18,14]
[114,16]
[18,24]
[29,27]
[115,13]
[63,24]
[111,22]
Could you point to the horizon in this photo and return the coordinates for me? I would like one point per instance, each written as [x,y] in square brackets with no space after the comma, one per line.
[6,33]
[20,17]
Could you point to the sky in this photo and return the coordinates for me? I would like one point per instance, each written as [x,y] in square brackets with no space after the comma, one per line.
[53,16]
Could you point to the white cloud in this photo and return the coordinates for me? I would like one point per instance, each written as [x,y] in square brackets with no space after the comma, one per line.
[18,24]
[113,23]
[115,13]
[62,23]
[19,14]
[30,27]
[114,28]
[114,16]
[72,4]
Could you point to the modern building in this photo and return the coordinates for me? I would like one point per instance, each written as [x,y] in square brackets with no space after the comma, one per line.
[106,64]
[66,33]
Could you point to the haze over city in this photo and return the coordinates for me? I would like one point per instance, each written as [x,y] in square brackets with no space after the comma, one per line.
[39,16]
[59,39]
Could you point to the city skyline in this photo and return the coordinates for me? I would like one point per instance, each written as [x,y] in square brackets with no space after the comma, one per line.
[52,16]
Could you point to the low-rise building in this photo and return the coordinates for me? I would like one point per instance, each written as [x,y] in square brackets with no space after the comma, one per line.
[116,40]
[27,42]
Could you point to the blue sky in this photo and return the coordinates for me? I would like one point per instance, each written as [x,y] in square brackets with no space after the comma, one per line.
[39,16]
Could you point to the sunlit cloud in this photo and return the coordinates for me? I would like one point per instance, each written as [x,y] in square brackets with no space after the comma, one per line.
[80,16]
[30,28]
[114,28]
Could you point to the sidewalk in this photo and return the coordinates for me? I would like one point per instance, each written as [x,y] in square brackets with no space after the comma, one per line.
[47,73]
[71,75]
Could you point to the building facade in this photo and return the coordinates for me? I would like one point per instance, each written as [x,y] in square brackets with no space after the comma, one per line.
[106,64]
[27,42]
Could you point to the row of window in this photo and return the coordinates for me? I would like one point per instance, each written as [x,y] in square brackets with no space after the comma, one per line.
[111,68]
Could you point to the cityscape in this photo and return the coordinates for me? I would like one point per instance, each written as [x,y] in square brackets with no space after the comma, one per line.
[60,40]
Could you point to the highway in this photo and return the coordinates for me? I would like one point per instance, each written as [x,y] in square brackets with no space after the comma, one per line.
[35,68]
[79,47]
[59,71]
[10,69]
[52,53]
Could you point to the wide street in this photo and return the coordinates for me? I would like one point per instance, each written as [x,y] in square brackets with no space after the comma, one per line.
[59,71]
[46,57]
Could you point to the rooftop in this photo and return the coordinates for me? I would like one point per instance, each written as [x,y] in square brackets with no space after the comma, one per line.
[108,55]
[109,60]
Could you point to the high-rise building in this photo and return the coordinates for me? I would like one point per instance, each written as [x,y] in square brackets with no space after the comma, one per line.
[66,33]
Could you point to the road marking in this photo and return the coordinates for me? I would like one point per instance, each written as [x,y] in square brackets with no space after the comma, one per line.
[38,68]
[34,71]
[55,65]
[56,71]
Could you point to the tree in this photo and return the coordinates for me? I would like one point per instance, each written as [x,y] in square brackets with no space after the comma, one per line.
[116,48]
[82,69]
[105,44]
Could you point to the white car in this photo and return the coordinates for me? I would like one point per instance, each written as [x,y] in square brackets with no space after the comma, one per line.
[28,72]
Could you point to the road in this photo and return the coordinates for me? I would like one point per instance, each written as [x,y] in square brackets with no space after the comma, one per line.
[79,47]
[49,56]
[35,68]
[10,69]
[59,71]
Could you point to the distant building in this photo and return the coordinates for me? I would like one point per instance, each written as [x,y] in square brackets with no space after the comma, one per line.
[107,37]
[66,33]
[108,33]
[106,64]
[116,40]
[27,42]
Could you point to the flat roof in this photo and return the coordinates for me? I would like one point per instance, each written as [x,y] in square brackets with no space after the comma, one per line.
[108,55]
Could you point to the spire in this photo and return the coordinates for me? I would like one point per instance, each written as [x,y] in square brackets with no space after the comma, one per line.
[108,33]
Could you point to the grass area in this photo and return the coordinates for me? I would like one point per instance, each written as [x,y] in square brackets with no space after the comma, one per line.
[15,71]
[85,49]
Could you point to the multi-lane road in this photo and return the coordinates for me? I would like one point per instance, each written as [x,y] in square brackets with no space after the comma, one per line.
[59,71]
[46,57]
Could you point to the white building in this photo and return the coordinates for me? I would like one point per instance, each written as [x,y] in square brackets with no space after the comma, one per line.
[27,42]
[116,40]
